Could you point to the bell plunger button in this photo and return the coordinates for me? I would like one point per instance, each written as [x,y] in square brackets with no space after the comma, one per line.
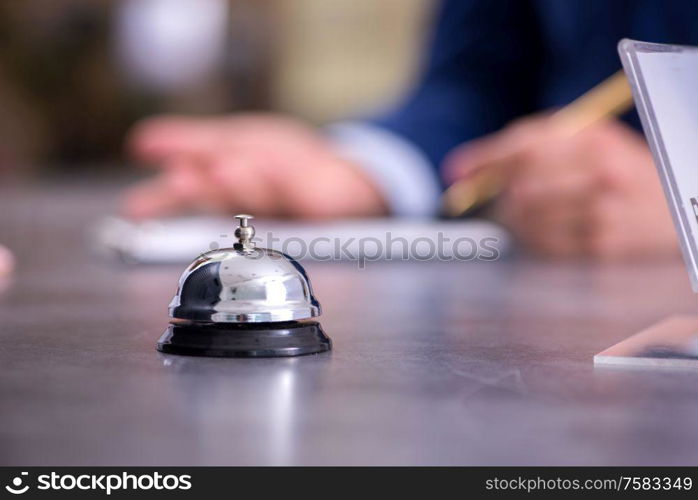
[244,233]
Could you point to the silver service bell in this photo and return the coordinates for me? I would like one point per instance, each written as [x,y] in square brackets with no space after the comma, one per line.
[244,301]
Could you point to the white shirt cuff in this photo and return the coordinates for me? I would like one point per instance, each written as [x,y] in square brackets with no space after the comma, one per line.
[401,171]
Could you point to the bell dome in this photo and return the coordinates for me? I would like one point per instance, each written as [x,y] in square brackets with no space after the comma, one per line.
[244,284]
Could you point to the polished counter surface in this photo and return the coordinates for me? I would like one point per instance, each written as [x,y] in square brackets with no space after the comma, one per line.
[486,363]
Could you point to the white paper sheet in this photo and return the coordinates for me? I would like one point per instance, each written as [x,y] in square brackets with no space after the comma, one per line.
[182,239]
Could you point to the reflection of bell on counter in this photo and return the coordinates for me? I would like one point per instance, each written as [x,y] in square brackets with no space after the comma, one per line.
[244,302]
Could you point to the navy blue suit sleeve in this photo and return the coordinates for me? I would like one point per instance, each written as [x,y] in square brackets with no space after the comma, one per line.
[479,75]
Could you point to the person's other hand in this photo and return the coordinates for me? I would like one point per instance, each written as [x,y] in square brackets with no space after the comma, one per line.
[595,193]
[258,163]
[6,262]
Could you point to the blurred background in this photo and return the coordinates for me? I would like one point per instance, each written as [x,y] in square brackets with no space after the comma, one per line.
[76,74]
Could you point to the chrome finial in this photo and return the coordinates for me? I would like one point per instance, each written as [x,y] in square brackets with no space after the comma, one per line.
[244,233]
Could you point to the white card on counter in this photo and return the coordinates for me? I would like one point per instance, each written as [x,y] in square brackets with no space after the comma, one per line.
[664,79]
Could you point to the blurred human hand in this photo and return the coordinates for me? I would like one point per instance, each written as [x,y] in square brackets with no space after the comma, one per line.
[6,262]
[594,193]
[259,163]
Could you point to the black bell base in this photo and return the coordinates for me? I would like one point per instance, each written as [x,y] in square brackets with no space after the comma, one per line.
[250,340]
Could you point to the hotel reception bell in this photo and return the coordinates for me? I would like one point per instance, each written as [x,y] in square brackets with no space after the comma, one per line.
[244,301]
